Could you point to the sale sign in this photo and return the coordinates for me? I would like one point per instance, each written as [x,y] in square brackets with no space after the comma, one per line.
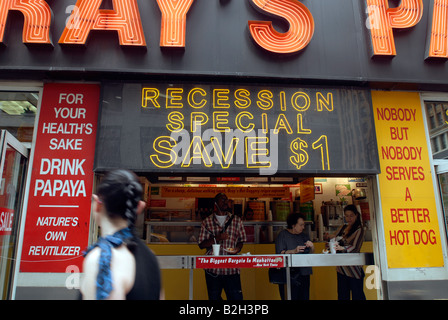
[58,214]
[411,225]
[214,262]
[6,219]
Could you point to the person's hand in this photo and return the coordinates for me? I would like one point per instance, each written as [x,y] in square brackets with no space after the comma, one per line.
[300,249]
[338,247]
[309,244]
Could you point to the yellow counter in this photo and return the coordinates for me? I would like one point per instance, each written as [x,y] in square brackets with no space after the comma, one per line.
[255,282]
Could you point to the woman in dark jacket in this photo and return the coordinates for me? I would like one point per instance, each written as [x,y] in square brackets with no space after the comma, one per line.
[293,240]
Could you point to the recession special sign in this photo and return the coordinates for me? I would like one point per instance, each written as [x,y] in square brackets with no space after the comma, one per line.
[58,214]
[221,129]
[411,226]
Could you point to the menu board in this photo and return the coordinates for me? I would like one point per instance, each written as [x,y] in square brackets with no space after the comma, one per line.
[58,214]
[307,190]
[411,226]
[227,129]
[231,192]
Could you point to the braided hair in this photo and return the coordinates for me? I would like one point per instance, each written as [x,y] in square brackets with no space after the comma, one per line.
[120,191]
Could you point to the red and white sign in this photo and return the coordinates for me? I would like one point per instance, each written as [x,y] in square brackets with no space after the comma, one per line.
[243,261]
[58,214]
[6,219]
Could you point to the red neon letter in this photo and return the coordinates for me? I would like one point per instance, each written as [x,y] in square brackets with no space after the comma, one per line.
[384,19]
[37,14]
[438,47]
[174,21]
[301,26]
[125,19]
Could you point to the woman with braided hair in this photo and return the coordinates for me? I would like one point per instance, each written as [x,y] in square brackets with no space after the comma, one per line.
[119,265]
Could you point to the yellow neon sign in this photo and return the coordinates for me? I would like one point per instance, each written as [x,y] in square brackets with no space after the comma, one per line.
[230,151]
[220,98]
[164,145]
[229,111]
[175,120]
[282,123]
[151,95]
[242,97]
[322,144]
[245,128]
[192,100]
[197,147]
[198,119]
[220,120]
[255,148]
[174,97]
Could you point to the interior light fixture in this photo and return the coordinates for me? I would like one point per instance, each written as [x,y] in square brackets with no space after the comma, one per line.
[17,108]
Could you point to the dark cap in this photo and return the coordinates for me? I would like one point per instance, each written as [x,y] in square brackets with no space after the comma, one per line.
[220,195]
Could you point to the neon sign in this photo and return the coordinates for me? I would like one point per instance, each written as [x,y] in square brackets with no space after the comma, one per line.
[174,19]
[237,129]
[384,19]
[301,26]
[125,19]
[86,16]
[438,47]
[247,134]
[37,14]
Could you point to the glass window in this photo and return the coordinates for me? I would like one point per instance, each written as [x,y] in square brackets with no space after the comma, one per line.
[437,119]
[443,141]
[432,122]
[18,112]
[434,145]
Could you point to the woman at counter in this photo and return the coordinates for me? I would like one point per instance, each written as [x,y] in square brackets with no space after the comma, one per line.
[350,278]
[290,241]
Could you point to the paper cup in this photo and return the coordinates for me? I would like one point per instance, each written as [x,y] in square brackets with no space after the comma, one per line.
[216,248]
[332,245]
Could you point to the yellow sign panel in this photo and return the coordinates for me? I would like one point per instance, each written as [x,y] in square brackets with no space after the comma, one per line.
[411,225]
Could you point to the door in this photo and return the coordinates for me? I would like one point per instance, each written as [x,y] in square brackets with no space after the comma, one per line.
[13,163]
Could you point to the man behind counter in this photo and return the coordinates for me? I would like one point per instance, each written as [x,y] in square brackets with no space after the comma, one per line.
[228,230]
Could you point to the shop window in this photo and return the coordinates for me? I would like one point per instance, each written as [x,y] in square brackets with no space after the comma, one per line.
[437,119]
[434,145]
[18,112]
[177,219]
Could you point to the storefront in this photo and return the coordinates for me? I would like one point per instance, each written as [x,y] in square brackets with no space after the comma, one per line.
[305,114]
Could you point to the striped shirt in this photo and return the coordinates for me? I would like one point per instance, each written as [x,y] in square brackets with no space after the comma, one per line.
[210,226]
[352,244]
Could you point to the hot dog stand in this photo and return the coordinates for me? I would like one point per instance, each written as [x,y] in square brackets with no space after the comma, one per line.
[298,109]
[171,238]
